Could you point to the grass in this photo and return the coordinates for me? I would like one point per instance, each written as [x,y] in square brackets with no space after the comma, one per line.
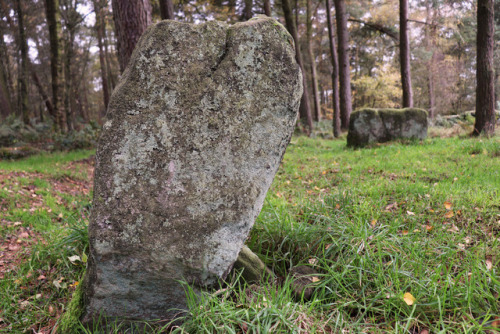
[416,217]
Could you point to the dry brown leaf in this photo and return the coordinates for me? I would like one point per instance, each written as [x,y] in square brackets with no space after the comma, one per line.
[373,222]
[405,232]
[489,262]
[410,213]
[448,205]
[391,206]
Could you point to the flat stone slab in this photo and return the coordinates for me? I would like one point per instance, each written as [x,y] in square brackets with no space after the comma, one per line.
[381,125]
[195,132]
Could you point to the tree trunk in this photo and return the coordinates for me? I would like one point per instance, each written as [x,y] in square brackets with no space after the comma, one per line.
[5,87]
[267,7]
[305,110]
[404,54]
[247,11]
[51,11]
[344,68]
[314,76]
[23,73]
[131,17]
[335,73]
[485,90]
[429,37]
[99,26]
[167,10]
[42,92]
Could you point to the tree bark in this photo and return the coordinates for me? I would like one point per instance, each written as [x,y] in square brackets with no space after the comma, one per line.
[429,37]
[42,92]
[247,11]
[51,11]
[314,75]
[305,110]
[23,73]
[5,87]
[335,73]
[131,17]
[485,89]
[99,27]
[267,7]
[404,54]
[344,68]
[167,10]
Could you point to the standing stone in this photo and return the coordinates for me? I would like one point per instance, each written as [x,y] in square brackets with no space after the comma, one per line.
[196,130]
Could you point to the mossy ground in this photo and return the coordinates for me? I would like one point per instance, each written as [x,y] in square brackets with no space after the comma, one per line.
[420,218]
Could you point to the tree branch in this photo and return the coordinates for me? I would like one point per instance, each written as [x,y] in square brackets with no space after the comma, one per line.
[377,27]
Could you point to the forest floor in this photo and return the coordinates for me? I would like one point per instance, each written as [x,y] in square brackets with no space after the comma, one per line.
[403,237]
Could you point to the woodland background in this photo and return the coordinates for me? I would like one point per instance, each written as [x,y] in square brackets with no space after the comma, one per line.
[60,60]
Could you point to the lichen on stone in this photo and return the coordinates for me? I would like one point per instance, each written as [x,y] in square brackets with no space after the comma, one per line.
[381,125]
[196,129]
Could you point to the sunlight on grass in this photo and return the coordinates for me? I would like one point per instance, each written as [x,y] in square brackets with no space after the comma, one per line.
[377,225]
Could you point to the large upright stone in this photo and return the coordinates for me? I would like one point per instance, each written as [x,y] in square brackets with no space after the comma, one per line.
[195,133]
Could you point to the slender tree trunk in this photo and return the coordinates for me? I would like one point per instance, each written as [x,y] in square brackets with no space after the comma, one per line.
[111,74]
[344,68]
[52,13]
[335,73]
[485,90]
[314,76]
[297,20]
[99,26]
[247,11]
[167,10]
[429,37]
[5,87]
[42,92]
[267,7]
[305,110]
[404,54]
[131,17]
[23,74]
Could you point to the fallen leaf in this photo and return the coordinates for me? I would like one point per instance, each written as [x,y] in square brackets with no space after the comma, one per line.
[373,222]
[410,213]
[41,277]
[429,228]
[313,261]
[74,258]
[408,298]
[449,214]
[315,279]
[405,232]
[448,205]
[489,262]
[391,206]
[453,229]
[23,235]
[337,206]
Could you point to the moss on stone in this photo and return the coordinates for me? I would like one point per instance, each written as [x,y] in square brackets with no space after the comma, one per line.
[253,268]
[381,125]
[70,320]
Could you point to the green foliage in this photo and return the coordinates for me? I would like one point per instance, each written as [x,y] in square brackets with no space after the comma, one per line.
[85,138]
[380,90]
